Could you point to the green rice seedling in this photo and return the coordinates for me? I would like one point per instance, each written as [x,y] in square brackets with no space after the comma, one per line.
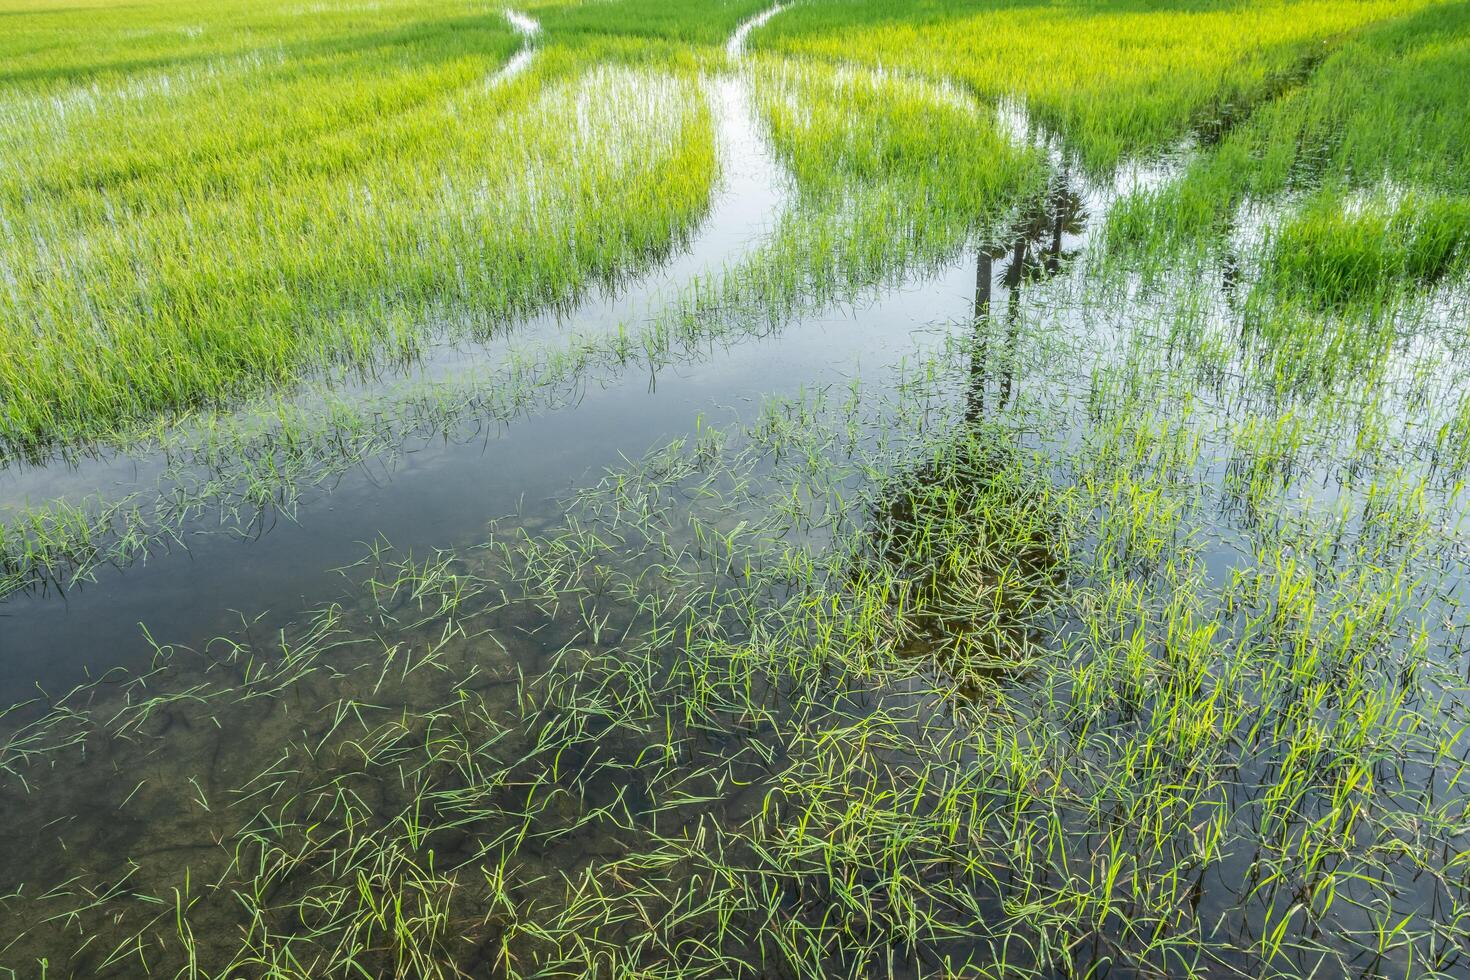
[1112,79]
[1330,259]
[273,258]
[1116,629]
[1378,106]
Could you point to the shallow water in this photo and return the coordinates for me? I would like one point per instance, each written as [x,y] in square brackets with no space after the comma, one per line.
[1043,344]
[527,28]
[439,488]
[439,491]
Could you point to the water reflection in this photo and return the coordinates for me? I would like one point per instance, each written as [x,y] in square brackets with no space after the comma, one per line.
[970,535]
[452,448]
[1038,250]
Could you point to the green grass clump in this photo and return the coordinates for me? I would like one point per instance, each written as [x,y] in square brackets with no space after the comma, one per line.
[1333,259]
[647,20]
[1114,79]
[893,174]
[177,234]
[1384,105]
[844,127]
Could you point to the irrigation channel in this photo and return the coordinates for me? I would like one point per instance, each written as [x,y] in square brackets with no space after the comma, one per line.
[605,484]
[437,489]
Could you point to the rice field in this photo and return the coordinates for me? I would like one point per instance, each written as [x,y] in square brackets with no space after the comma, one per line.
[714,488]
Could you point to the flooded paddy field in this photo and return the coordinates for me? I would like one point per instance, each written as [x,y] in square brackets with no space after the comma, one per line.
[671,489]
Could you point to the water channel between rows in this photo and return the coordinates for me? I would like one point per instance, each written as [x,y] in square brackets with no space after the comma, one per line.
[439,492]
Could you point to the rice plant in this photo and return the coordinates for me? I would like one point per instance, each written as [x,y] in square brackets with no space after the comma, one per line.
[1113,627]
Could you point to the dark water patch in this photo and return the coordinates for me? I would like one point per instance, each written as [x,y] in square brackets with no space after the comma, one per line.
[972,537]
[447,761]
